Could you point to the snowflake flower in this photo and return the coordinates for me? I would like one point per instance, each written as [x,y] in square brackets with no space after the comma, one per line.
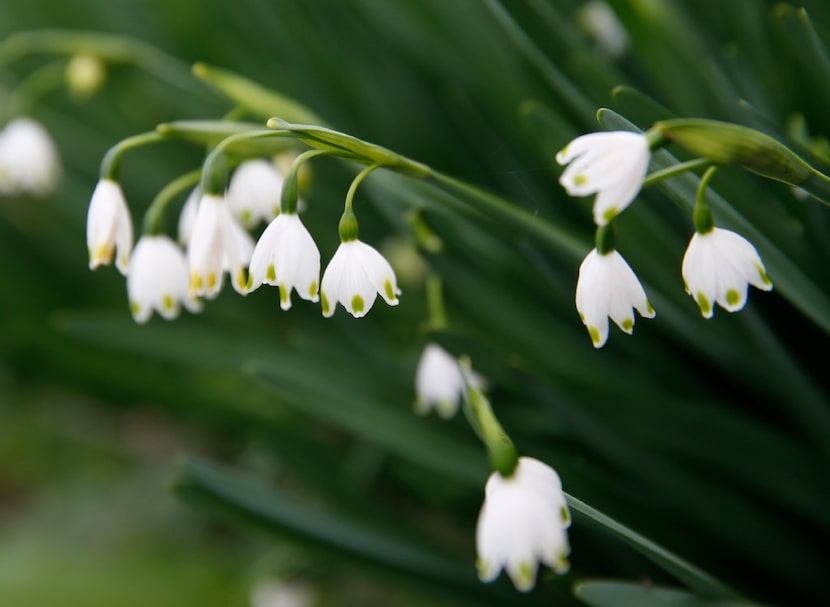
[607,287]
[287,257]
[109,227]
[254,192]
[718,267]
[522,523]
[355,276]
[29,160]
[158,279]
[611,165]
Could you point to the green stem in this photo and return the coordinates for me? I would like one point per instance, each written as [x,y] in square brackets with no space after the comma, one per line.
[605,239]
[154,217]
[437,317]
[111,163]
[701,214]
[357,181]
[290,187]
[674,170]
[500,450]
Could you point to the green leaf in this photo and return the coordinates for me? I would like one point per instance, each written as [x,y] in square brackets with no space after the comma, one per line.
[611,593]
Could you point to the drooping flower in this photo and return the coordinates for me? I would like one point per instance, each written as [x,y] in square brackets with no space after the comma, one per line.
[719,266]
[29,159]
[109,227]
[187,216]
[158,279]
[611,165]
[254,192]
[522,523]
[217,244]
[439,384]
[600,21]
[607,287]
[286,256]
[355,276]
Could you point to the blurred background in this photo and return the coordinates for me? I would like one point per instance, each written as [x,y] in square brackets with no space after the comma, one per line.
[246,455]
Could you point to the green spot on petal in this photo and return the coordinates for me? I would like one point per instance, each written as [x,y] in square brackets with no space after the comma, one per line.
[271,273]
[135,308]
[242,278]
[390,292]
[703,304]
[211,280]
[732,297]
[580,179]
[565,515]
[525,581]
[357,304]
[246,216]
[650,309]
[594,333]
[764,276]
[610,214]
[167,302]
[628,324]
[324,302]
[283,293]
[312,290]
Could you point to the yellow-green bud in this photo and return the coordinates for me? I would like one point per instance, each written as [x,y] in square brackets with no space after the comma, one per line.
[732,144]
[85,75]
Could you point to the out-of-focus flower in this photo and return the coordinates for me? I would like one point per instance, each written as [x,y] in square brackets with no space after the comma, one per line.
[600,21]
[355,276]
[439,384]
[719,266]
[254,192]
[85,75]
[607,287]
[612,165]
[109,227]
[216,244]
[287,257]
[29,159]
[281,593]
[522,523]
[158,279]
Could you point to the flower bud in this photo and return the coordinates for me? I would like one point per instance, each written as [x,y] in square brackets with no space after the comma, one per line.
[731,144]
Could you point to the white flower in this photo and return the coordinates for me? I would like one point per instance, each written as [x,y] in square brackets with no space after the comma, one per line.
[254,192]
[109,226]
[439,384]
[355,276]
[217,244]
[282,593]
[287,257]
[600,21]
[718,267]
[29,160]
[158,279]
[612,165]
[607,287]
[522,523]
[187,216]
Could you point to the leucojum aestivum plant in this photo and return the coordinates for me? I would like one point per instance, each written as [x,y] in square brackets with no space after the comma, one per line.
[256,166]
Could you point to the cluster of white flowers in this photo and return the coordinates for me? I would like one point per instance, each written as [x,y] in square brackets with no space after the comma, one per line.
[29,159]
[718,267]
[214,240]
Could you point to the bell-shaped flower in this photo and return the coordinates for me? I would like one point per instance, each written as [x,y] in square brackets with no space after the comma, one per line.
[187,216]
[522,523]
[254,192]
[719,266]
[611,165]
[286,256]
[109,227]
[29,159]
[607,287]
[217,244]
[158,280]
[439,384]
[355,276]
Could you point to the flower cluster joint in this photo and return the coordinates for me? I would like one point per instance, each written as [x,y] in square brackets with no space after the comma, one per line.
[718,267]
[611,165]
[523,522]
[606,288]
[109,227]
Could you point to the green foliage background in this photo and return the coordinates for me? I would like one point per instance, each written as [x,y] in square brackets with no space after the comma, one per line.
[293,435]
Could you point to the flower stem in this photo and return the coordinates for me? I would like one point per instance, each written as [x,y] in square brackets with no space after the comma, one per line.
[290,187]
[111,163]
[154,216]
[214,168]
[701,214]
[500,450]
[357,181]
[674,170]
